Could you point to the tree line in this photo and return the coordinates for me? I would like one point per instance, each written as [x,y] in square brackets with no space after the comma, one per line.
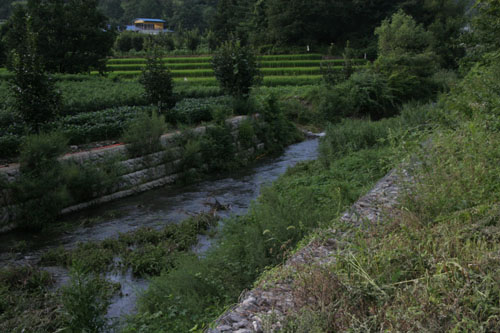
[286,23]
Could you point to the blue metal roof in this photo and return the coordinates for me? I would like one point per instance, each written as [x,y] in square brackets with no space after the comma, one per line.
[151,20]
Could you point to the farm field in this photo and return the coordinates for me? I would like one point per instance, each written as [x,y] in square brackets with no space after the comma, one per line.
[98,108]
[304,68]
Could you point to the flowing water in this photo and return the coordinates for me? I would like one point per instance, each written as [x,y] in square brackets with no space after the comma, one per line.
[155,209]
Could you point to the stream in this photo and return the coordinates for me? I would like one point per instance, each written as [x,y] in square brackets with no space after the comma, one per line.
[155,208]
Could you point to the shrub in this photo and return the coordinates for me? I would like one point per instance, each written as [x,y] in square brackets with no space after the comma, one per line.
[193,40]
[352,135]
[246,134]
[124,42]
[366,93]
[143,134]
[137,42]
[275,131]
[331,75]
[40,190]
[235,68]
[85,300]
[218,149]
[195,110]
[87,181]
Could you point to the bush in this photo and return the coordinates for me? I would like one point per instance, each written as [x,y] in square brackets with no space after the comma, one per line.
[193,40]
[195,110]
[87,181]
[275,130]
[124,42]
[218,149]
[85,300]
[40,190]
[351,135]
[332,75]
[366,93]
[143,135]
[235,68]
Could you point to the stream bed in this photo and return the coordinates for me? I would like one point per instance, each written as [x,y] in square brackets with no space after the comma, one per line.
[155,209]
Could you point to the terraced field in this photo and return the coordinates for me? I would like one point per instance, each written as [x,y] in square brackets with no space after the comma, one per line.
[297,69]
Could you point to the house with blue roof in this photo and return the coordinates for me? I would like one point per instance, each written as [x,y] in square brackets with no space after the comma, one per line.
[148,26]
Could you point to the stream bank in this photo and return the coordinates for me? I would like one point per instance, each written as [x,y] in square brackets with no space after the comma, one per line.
[153,209]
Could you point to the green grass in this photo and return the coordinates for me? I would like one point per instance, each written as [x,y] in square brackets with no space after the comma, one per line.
[263,64]
[307,197]
[433,266]
[198,59]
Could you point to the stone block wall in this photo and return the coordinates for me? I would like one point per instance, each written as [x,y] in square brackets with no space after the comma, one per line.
[137,175]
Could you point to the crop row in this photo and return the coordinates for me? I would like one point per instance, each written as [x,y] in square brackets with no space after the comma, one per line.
[263,64]
[106,124]
[209,58]
[100,93]
[209,72]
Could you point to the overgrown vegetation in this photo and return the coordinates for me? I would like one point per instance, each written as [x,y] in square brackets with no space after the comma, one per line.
[433,266]
[157,81]
[235,68]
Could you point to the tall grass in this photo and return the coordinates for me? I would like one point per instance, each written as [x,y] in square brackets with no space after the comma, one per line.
[434,265]
[307,197]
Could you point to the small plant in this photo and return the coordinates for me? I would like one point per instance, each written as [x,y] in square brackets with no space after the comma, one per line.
[85,300]
[235,68]
[157,81]
[143,135]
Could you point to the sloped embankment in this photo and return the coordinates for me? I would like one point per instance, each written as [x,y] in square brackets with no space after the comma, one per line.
[274,297]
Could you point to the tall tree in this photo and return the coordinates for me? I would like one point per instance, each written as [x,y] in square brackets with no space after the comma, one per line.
[72,35]
[445,19]
[34,92]
[113,10]
[229,20]
[5,9]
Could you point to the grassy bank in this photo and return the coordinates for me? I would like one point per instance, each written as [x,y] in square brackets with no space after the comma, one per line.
[435,265]
[309,196]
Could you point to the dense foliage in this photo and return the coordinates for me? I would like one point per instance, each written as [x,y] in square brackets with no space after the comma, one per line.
[35,96]
[235,68]
[72,36]
[157,82]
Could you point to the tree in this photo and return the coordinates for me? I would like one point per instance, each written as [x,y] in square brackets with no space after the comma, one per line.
[445,20]
[157,80]
[193,39]
[112,9]
[5,8]
[406,57]
[228,19]
[34,92]
[72,35]
[482,38]
[235,68]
